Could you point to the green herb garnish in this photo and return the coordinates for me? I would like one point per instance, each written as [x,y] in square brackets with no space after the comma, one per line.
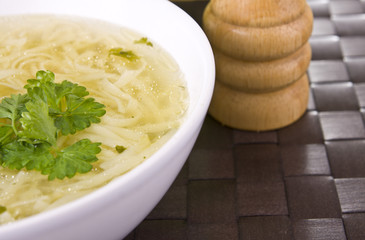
[129,55]
[144,40]
[120,149]
[31,123]
[2,209]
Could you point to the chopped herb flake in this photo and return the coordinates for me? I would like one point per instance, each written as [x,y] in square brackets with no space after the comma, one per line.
[144,40]
[129,55]
[120,149]
[2,209]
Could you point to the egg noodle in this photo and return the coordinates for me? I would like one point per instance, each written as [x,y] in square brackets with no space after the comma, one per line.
[145,100]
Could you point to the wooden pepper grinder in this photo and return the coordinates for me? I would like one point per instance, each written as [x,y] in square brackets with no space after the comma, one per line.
[262,54]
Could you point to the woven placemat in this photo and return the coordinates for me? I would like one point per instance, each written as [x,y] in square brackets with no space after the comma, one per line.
[305,181]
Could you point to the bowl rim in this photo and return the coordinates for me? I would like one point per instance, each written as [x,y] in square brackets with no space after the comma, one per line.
[193,123]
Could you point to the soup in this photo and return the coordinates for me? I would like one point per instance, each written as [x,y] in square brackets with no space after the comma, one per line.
[141,86]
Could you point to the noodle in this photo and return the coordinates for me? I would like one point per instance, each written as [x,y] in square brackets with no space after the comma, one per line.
[145,101]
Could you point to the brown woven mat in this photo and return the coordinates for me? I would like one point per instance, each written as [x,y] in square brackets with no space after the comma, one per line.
[306,181]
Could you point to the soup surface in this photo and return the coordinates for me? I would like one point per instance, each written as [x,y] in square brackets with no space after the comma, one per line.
[139,83]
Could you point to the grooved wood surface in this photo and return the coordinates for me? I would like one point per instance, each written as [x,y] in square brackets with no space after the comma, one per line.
[305,181]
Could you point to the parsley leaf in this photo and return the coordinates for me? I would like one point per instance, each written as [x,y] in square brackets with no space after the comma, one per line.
[37,125]
[75,158]
[43,87]
[6,134]
[18,154]
[31,123]
[79,114]
[68,88]
[12,107]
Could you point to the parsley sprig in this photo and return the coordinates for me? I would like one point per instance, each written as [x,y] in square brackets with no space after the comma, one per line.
[31,123]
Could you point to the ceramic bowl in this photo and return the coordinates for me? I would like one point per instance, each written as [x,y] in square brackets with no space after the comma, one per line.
[114,210]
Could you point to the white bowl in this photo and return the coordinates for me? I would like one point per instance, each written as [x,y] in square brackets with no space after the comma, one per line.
[111,212]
